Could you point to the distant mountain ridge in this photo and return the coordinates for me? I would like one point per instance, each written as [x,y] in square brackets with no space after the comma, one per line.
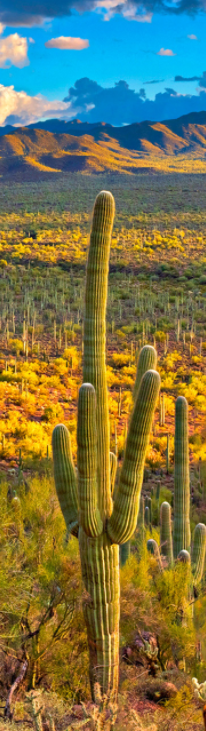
[57,146]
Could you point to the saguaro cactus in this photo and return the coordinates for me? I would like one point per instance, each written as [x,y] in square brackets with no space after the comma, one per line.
[182,537]
[198,552]
[166,532]
[86,500]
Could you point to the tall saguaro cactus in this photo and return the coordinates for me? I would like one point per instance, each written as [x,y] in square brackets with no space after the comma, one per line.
[181,536]
[86,500]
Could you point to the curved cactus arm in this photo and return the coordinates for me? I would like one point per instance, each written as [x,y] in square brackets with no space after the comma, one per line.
[94,370]
[147,361]
[166,532]
[90,519]
[113,470]
[65,477]
[181,533]
[198,552]
[122,523]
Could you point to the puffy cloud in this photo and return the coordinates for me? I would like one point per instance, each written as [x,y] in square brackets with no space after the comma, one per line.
[192,37]
[165,52]
[67,44]
[91,102]
[13,51]
[18,108]
[16,13]
[187,78]
[121,105]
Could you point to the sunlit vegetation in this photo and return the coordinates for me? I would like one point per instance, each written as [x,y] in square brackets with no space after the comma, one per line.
[157,295]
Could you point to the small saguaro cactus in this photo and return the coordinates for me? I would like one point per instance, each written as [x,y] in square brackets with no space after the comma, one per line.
[198,552]
[100,521]
[166,532]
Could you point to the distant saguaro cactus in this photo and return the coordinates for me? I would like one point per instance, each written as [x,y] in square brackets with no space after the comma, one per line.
[181,543]
[86,500]
[166,532]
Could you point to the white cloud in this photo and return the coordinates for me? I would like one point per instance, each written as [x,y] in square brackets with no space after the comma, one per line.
[67,43]
[25,109]
[165,52]
[192,37]
[2,26]
[13,51]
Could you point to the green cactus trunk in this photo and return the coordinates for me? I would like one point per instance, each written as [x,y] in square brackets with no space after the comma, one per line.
[181,535]
[102,523]
[147,516]
[166,532]
[124,553]
[94,366]
[198,552]
[100,573]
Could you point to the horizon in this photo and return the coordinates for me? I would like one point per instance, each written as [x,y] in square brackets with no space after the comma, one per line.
[100,123]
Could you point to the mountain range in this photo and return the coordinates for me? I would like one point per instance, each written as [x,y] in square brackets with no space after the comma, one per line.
[57,146]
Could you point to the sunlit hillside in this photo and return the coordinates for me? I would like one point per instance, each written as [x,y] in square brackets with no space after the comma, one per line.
[174,146]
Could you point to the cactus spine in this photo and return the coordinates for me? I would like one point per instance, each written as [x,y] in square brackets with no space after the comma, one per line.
[101,523]
[182,537]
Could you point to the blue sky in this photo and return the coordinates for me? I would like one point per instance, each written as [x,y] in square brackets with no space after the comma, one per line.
[114,45]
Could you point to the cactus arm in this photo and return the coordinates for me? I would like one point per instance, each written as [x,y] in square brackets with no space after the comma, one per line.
[181,534]
[166,532]
[89,515]
[198,552]
[147,361]
[94,370]
[113,470]
[65,477]
[122,523]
